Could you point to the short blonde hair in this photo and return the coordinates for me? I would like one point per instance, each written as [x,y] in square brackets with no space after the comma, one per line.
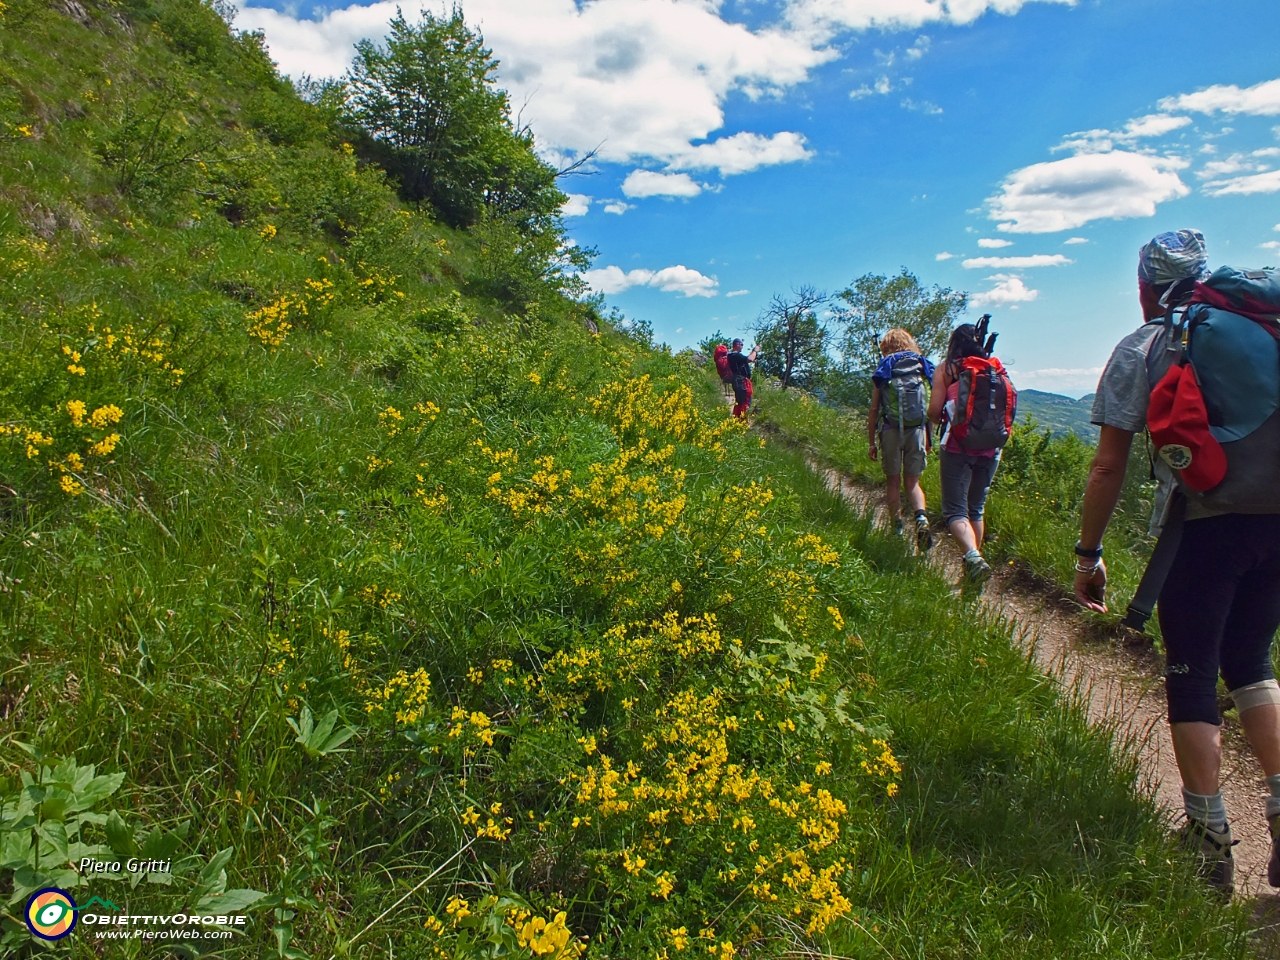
[898,340]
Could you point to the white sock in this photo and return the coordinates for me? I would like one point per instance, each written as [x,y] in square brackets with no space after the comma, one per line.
[1273,801]
[1209,810]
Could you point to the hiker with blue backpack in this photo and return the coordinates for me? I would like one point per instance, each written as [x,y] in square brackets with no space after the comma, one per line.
[899,421]
[974,403]
[1202,374]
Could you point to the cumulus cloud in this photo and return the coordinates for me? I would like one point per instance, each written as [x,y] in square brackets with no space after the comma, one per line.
[647,183]
[1074,240]
[924,106]
[618,207]
[1270,245]
[1017,263]
[576,206]
[994,243]
[737,293]
[1068,193]
[639,80]
[676,279]
[1009,289]
[1260,100]
[1258,183]
[947,256]
[742,152]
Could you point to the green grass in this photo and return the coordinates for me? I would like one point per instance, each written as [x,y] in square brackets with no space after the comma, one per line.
[438,516]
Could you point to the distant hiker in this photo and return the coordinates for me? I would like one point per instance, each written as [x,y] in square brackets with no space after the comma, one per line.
[899,419]
[975,402]
[1209,342]
[740,369]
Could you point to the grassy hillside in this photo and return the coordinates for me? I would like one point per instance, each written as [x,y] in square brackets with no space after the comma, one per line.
[1060,415]
[342,566]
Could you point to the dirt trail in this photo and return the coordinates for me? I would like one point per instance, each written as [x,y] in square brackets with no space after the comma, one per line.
[1122,687]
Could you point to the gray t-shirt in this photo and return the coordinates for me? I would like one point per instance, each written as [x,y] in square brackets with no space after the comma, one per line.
[1137,364]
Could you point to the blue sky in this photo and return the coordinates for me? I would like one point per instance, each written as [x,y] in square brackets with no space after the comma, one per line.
[747,146]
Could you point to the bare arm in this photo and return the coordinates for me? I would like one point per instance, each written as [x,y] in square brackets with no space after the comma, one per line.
[755,352]
[1106,481]
[872,418]
[938,396]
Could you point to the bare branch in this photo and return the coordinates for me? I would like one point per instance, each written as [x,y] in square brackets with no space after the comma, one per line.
[575,169]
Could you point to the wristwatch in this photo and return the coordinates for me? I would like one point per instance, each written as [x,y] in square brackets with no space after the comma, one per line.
[1094,554]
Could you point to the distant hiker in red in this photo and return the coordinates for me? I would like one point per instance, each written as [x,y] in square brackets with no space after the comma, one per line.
[1208,343]
[975,401]
[740,368]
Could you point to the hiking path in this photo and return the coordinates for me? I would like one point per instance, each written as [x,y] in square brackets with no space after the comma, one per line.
[1121,686]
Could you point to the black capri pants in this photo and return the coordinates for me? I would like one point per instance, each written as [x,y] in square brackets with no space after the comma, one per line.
[1219,610]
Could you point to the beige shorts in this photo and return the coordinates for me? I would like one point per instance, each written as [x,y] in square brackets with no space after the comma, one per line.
[905,455]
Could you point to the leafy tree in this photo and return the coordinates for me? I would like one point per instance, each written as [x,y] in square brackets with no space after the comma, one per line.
[792,341]
[438,123]
[874,304]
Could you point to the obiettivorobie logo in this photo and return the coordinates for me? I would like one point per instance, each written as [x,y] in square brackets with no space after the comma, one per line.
[51,914]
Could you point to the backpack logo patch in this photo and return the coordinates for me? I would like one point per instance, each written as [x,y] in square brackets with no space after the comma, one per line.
[1176,455]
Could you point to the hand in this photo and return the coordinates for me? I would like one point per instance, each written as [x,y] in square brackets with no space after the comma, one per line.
[872,453]
[1090,588]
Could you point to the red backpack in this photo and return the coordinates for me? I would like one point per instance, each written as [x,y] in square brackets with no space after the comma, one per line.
[721,357]
[986,405]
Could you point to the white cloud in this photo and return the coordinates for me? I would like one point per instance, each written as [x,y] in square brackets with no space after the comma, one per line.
[1270,245]
[1235,163]
[676,279]
[1266,152]
[827,17]
[647,183]
[1009,289]
[994,243]
[1276,228]
[947,256]
[924,106]
[576,206]
[1017,263]
[618,206]
[1074,240]
[1080,379]
[883,86]
[1103,141]
[1258,183]
[737,293]
[919,48]
[1068,193]
[641,80]
[1260,100]
[742,152]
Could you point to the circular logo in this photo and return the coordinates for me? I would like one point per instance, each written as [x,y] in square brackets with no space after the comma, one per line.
[1176,455]
[51,914]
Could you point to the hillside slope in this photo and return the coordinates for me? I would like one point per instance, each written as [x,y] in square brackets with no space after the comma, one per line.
[345,568]
[1058,413]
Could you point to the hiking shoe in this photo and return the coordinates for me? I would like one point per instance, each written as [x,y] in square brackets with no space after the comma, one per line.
[924,536]
[976,571]
[898,527]
[1217,866]
[1273,865]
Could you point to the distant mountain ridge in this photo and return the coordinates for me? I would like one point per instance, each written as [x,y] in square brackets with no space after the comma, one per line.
[1060,414]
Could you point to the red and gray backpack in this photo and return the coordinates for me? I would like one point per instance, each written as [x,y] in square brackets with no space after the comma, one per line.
[1215,415]
[986,405]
